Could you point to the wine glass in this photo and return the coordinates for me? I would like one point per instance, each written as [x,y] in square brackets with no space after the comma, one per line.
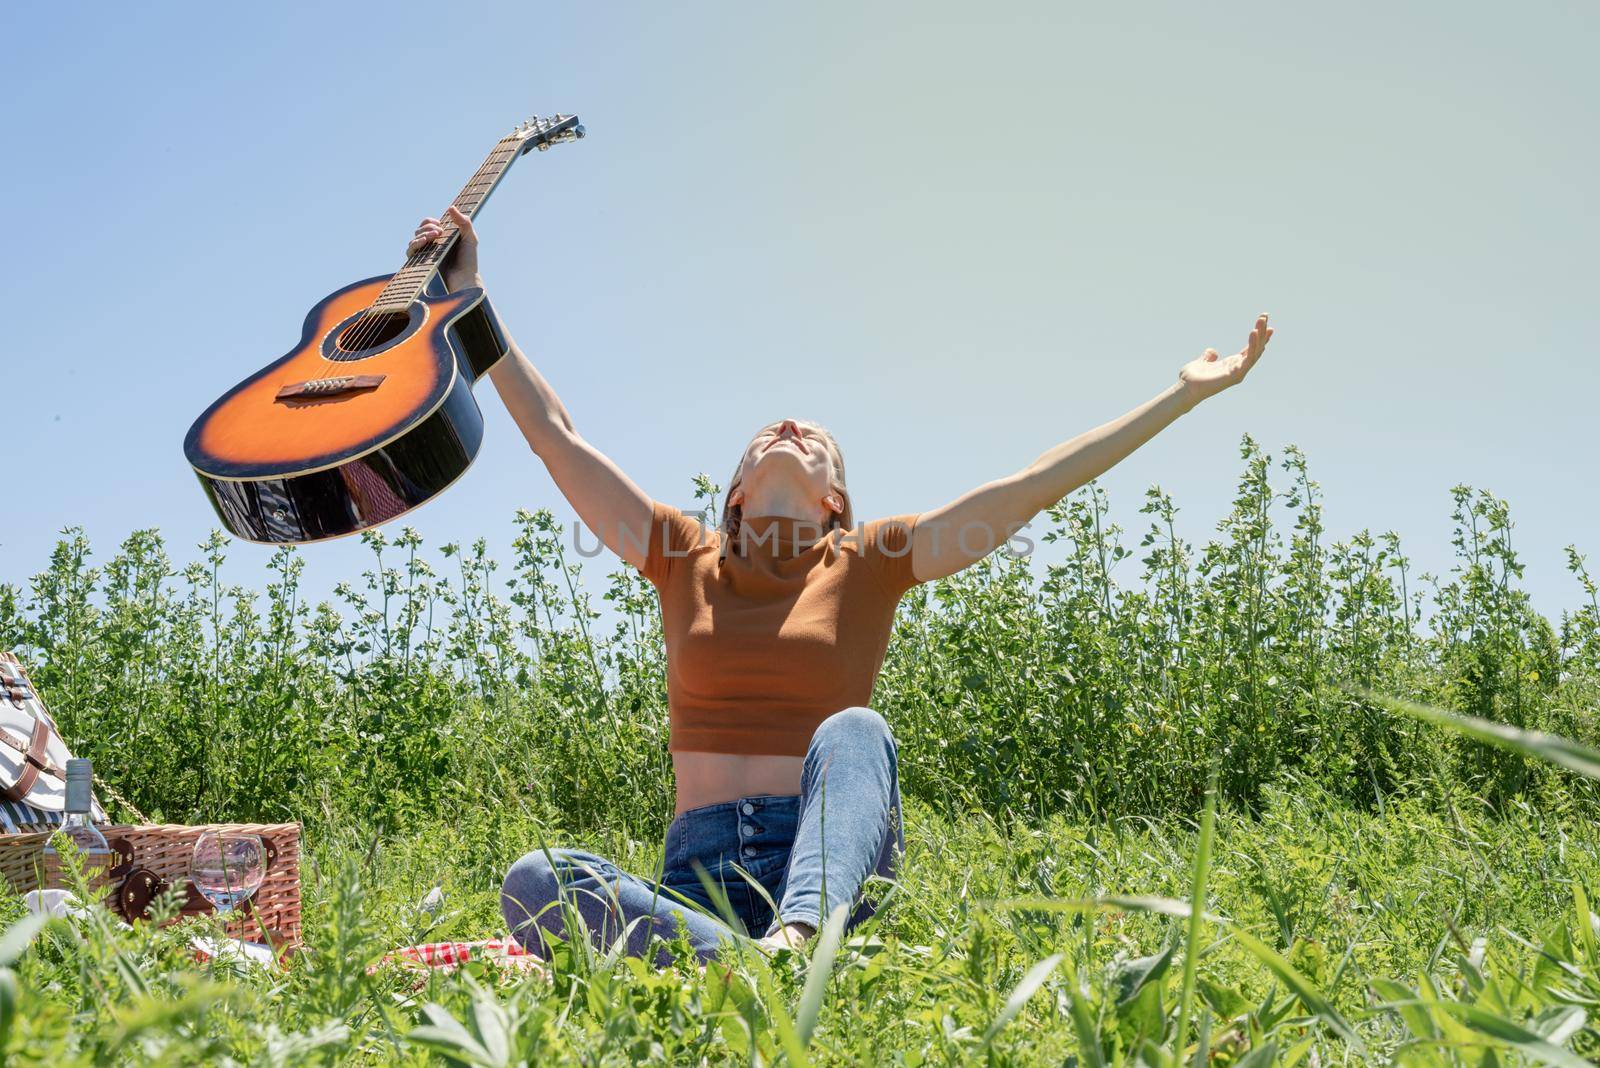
[228,867]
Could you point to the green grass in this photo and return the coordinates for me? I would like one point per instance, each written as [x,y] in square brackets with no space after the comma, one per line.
[1376,883]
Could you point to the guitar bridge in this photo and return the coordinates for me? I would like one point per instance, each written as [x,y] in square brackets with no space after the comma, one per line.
[322,388]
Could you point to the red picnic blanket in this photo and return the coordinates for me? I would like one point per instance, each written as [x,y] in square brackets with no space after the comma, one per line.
[448,956]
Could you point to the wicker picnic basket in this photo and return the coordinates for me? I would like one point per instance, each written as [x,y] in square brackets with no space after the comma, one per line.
[148,858]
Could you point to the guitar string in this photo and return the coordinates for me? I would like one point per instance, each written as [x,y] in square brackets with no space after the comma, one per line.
[363,332]
[367,325]
[358,338]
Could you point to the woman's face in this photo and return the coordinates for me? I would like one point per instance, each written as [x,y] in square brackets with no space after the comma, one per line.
[791,453]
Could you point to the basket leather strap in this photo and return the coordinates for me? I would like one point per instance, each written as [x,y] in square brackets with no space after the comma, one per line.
[13,680]
[15,685]
[35,759]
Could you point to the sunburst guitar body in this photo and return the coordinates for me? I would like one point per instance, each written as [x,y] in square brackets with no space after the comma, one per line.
[371,414]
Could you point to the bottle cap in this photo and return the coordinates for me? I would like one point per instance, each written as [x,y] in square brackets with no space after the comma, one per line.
[80,784]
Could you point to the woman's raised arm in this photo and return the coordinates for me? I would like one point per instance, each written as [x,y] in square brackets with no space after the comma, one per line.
[967,529]
[609,502]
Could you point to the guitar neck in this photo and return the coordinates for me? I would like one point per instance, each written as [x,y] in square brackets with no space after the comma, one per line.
[413,277]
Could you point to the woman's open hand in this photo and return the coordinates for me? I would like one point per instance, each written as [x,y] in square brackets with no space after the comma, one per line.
[461,268]
[1209,373]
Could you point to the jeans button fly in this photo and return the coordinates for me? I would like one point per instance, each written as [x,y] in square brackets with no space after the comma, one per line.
[748,809]
[749,851]
[746,830]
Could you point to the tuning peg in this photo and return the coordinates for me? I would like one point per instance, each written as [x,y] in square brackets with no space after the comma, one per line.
[578,131]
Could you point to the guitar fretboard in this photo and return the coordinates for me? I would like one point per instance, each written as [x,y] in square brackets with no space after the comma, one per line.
[410,280]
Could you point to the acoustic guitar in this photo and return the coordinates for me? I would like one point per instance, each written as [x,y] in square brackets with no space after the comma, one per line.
[372,413]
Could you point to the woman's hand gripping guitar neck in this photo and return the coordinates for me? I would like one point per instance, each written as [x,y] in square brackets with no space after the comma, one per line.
[460,268]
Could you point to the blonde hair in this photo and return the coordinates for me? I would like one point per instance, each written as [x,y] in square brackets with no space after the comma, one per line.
[733,514]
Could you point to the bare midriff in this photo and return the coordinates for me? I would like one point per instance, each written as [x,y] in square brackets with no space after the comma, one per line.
[712,778]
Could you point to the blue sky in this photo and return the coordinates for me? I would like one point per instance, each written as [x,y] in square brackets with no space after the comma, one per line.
[954,233]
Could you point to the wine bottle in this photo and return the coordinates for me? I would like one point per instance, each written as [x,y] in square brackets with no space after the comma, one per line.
[76,826]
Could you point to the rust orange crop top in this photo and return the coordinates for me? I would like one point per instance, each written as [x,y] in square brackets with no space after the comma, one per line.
[786,628]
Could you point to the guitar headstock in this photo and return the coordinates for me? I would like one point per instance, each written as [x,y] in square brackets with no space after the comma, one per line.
[542,133]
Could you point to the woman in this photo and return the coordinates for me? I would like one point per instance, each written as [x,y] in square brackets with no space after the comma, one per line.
[775,627]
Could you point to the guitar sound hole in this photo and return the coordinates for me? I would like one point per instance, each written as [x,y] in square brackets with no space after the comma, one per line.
[368,332]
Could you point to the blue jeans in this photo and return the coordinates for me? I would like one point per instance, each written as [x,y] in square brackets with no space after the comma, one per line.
[809,853]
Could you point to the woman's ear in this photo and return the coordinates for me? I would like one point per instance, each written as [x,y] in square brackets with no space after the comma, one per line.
[833,502]
[736,498]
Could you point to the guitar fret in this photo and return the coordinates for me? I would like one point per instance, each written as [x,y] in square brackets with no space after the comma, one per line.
[408,282]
